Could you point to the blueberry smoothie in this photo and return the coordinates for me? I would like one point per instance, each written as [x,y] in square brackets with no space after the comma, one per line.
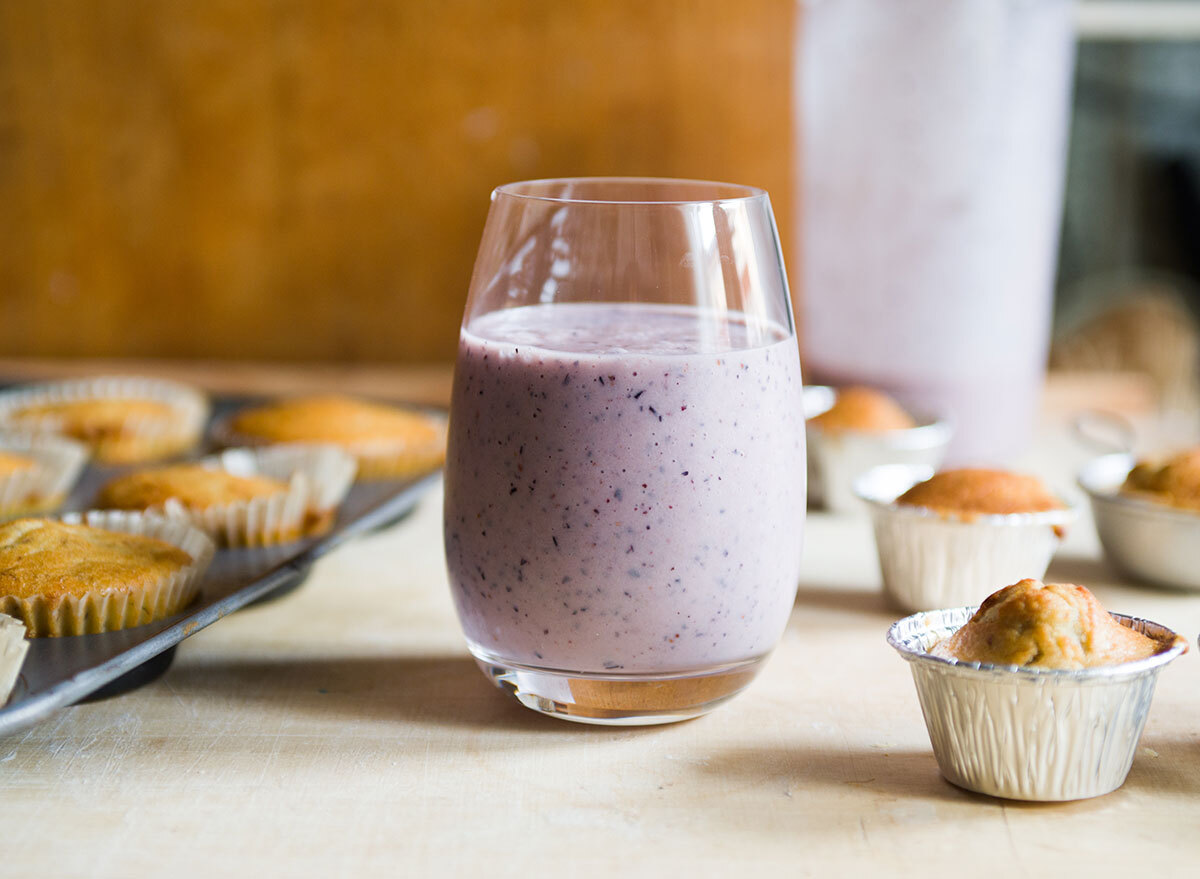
[624,487]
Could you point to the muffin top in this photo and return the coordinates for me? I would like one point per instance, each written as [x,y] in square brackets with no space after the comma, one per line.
[863,409]
[1175,481]
[45,557]
[195,486]
[982,492]
[11,463]
[336,419]
[97,417]
[1045,625]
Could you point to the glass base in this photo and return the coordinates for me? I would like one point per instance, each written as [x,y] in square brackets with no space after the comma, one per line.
[620,700]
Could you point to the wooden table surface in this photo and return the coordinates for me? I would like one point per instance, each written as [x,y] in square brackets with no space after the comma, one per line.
[343,730]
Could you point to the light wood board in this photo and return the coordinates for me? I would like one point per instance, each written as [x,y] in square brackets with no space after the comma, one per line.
[343,731]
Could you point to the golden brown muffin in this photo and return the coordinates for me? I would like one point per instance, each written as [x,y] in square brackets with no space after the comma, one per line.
[387,441]
[11,463]
[45,564]
[970,492]
[1175,481]
[194,486]
[865,410]
[1045,625]
[119,430]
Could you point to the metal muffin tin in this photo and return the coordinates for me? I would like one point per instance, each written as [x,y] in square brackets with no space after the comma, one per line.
[62,671]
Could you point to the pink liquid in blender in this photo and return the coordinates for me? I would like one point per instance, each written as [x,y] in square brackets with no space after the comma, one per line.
[625,487]
[934,141]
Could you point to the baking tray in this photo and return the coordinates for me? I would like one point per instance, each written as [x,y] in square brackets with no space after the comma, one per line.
[62,671]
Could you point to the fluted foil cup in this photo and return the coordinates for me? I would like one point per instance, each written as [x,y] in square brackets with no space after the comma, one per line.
[1030,734]
[930,559]
[835,460]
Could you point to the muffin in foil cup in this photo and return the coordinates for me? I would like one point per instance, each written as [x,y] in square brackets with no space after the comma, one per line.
[837,459]
[44,486]
[136,437]
[1149,541]
[13,648]
[930,559]
[1030,734]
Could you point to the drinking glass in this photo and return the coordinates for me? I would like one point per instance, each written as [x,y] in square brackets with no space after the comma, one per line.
[625,477]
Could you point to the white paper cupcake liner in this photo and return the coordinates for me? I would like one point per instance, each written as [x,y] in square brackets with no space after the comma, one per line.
[13,648]
[930,560]
[1030,734]
[140,439]
[317,477]
[113,609]
[376,459]
[837,459]
[58,462]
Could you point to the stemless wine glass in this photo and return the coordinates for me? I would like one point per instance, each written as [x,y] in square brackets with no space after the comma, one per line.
[625,478]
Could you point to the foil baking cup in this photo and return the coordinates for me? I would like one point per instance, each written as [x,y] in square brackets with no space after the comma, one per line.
[57,463]
[1147,540]
[140,438]
[930,559]
[1030,734]
[13,648]
[837,459]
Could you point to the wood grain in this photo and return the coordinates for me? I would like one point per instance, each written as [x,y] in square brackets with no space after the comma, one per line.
[343,731]
[307,179]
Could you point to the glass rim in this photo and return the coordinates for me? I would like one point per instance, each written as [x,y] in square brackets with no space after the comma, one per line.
[743,191]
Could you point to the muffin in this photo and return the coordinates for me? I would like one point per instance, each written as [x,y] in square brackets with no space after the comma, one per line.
[194,486]
[98,573]
[37,472]
[13,648]
[122,420]
[387,441]
[1174,482]
[969,493]
[1146,535]
[945,540]
[1045,625]
[863,409]
[1037,695]
[243,497]
[851,430]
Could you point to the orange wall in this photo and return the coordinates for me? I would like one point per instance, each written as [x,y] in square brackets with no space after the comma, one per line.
[308,180]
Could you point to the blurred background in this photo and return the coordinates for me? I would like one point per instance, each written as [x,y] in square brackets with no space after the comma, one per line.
[306,180]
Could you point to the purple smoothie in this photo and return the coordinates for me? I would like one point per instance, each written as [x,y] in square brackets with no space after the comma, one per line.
[624,487]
